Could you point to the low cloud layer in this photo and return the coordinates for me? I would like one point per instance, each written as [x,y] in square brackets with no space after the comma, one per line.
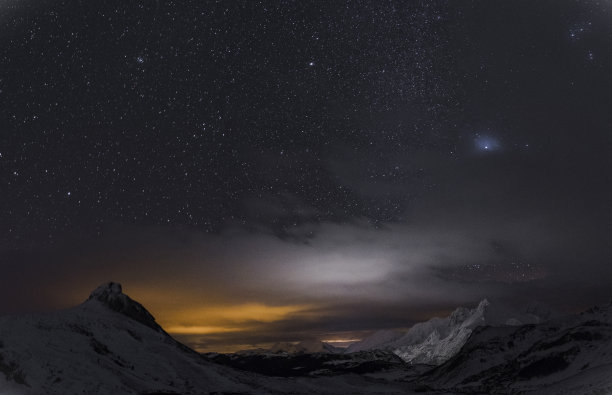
[335,280]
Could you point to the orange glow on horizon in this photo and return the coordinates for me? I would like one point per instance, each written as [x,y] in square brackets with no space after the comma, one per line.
[200,320]
[341,341]
[238,313]
[225,319]
[203,330]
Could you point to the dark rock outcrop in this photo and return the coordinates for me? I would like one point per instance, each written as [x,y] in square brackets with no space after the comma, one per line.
[111,295]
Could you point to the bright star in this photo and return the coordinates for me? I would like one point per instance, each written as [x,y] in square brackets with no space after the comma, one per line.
[485,143]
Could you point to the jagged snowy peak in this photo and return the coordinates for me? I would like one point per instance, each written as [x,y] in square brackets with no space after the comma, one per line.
[422,331]
[436,340]
[445,338]
[571,355]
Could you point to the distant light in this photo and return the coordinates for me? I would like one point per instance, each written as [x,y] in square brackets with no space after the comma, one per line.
[485,143]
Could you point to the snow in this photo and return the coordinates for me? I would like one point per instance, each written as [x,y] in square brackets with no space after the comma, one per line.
[435,341]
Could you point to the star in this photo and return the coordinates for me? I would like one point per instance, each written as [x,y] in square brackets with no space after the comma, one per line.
[484,143]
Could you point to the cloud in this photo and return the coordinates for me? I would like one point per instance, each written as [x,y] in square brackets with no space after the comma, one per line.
[480,234]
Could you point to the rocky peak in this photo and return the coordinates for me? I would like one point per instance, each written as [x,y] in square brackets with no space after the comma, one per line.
[482,306]
[111,295]
[464,315]
[107,291]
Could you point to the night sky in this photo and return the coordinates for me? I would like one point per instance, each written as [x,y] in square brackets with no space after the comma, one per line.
[254,171]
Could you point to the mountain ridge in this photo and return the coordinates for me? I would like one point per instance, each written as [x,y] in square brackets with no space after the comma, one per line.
[436,340]
[108,344]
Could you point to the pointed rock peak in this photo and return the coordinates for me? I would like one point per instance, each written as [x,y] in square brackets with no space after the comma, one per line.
[463,314]
[111,295]
[483,304]
[106,291]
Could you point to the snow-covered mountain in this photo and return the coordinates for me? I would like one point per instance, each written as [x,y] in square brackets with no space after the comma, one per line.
[303,347]
[112,344]
[438,339]
[109,344]
[571,355]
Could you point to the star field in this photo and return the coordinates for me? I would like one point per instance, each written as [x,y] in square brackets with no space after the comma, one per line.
[182,113]
[270,116]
